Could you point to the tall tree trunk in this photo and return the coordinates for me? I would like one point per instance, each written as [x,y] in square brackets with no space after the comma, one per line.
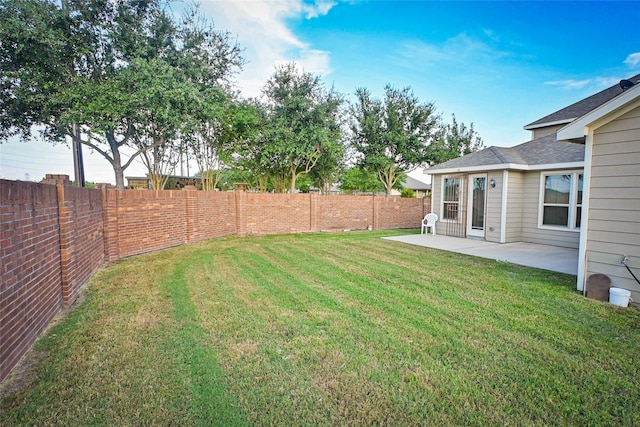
[388,177]
[294,177]
[263,182]
[116,160]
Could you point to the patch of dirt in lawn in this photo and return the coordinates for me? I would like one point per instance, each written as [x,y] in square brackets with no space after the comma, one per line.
[243,349]
[25,372]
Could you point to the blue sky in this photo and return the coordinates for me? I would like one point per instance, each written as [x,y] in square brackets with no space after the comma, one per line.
[499,65]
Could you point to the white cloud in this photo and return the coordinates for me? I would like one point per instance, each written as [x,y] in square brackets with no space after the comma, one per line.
[319,9]
[311,60]
[263,32]
[633,60]
[569,83]
[457,50]
[595,83]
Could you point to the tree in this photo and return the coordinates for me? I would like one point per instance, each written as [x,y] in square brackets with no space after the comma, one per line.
[37,52]
[218,134]
[359,180]
[101,53]
[392,136]
[168,102]
[302,123]
[253,159]
[326,171]
[457,141]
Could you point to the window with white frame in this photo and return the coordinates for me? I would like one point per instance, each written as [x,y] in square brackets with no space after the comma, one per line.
[561,199]
[450,198]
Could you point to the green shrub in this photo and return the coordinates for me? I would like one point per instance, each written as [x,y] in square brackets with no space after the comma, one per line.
[407,193]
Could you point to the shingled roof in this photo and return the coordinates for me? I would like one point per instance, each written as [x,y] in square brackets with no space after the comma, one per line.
[546,150]
[540,151]
[580,108]
[416,184]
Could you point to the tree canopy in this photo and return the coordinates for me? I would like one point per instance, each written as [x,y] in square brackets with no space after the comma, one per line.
[301,126]
[457,140]
[124,73]
[392,135]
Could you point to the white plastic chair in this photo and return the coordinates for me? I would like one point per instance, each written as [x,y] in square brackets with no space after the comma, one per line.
[429,221]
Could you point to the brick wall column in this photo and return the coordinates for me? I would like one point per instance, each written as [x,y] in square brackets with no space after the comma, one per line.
[191,205]
[241,212]
[65,222]
[110,215]
[313,212]
[376,212]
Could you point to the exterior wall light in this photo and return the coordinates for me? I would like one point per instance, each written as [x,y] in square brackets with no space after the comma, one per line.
[492,183]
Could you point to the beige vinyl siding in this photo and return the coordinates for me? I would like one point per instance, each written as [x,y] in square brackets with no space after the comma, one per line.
[614,202]
[531,233]
[538,133]
[493,211]
[515,202]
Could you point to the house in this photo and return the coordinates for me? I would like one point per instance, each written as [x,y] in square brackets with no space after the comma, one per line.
[575,184]
[610,229]
[420,188]
[175,182]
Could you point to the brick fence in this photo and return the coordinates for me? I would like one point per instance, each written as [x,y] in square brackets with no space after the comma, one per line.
[53,238]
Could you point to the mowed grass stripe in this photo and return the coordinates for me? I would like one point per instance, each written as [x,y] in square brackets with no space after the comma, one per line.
[269,376]
[211,405]
[357,292]
[288,338]
[381,285]
[477,293]
[389,305]
[384,295]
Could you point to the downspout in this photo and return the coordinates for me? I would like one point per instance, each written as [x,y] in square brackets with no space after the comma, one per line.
[584,220]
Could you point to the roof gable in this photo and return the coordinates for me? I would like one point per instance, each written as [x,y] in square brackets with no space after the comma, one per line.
[580,108]
[578,128]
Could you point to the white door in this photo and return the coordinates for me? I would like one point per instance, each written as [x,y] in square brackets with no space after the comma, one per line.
[476,205]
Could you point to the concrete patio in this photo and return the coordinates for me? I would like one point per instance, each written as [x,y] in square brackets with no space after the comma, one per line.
[554,258]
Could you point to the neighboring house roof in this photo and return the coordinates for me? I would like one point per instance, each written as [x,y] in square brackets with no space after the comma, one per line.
[415,184]
[580,108]
[540,151]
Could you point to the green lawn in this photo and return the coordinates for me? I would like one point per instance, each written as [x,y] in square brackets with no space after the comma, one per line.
[332,329]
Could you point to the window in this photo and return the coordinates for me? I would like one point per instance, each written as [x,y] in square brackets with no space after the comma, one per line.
[561,200]
[450,198]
